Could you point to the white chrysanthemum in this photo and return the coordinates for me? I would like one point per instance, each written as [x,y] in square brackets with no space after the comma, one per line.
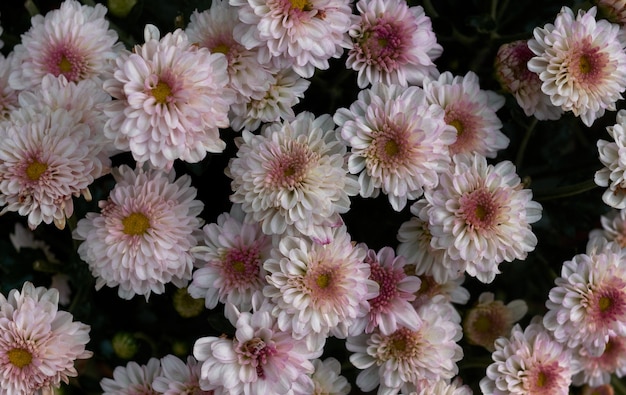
[38,343]
[588,302]
[581,63]
[301,34]
[293,177]
[398,142]
[178,377]
[132,378]
[613,228]
[46,159]
[172,98]
[612,174]
[480,213]
[142,237]
[440,387]
[327,378]
[471,111]
[8,95]
[74,41]
[392,44]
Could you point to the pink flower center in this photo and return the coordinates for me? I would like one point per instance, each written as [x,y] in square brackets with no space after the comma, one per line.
[323,282]
[587,63]
[384,45]
[387,280]
[390,146]
[466,125]
[35,170]
[479,209]
[241,266]
[485,323]
[544,379]
[608,303]
[135,224]
[65,60]
[256,352]
[403,344]
[613,355]
[19,357]
[290,168]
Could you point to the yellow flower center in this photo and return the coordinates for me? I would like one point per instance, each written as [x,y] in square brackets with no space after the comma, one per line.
[239,266]
[391,148]
[541,379]
[323,280]
[302,5]
[65,66]
[480,212]
[584,64]
[136,224]
[222,48]
[20,357]
[482,324]
[398,344]
[605,303]
[35,170]
[458,125]
[161,92]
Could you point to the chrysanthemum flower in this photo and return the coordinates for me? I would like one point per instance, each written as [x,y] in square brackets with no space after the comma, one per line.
[327,378]
[172,98]
[588,302]
[471,111]
[529,362]
[74,41]
[613,10]
[142,237]
[392,44]
[230,258]
[398,142]
[132,378]
[597,369]
[8,95]
[38,343]
[293,177]
[178,377]
[481,214]
[301,34]
[441,387]
[612,174]
[613,228]
[581,63]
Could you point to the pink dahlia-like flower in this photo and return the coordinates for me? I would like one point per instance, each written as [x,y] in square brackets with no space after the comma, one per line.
[172,97]
[512,72]
[529,362]
[46,159]
[472,112]
[588,303]
[480,213]
[327,378]
[142,237]
[406,356]
[132,379]
[320,289]
[392,44]
[292,177]
[8,95]
[178,377]
[581,63]
[301,34]
[74,41]
[230,258]
[38,343]
[399,142]
[596,370]
[612,174]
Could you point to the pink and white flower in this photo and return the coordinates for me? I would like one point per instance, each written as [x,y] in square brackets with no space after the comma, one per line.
[8,95]
[596,370]
[178,377]
[612,174]
[327,378]
[613,228]
[132,378]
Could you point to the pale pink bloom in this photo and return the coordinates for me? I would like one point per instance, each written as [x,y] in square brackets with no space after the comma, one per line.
[512,72]
[172,98]
[178,377]
[46,159]
[292,177]
[441,387]
[38,343]
[142,237]
[613,10]
[587,305]
[581,63]
[132,379]
[612,174]
[406,356]
[451,291]
[74,41]
[471,111]
[480,213]
[301,34]
[327,378]
[392,44]
[8,95]
[399,142]
[613,228]
[25,238]
[529,362]
[597,369]
[230,260]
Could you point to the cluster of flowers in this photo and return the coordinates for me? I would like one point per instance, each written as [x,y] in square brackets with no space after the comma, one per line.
[281,260]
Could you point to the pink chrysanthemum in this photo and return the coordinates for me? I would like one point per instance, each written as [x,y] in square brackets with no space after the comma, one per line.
[597,369]
[46,159]
[231,259]
[613,228]
[172,98]
[441,387]
[327,378]
[143,235]
[581,63]
[588,302]
[613,10]
[398,142]
[612,174]
[481,214]
[301,34]
[38,343]
[392,44]
[471,111]
[74,41]
[292,177]
[132,379]
[8,95]
[529,362]
[178,377]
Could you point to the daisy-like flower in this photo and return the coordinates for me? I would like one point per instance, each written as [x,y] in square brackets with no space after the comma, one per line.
[613,228]
[142,237]
[512,72]
[471,111]
[319,289]
[231,258]
[581,63]
[441,387]
[74,41]
[588,302]
[392,43]
[398,142]
[480,213]
[613,10]
[46,159]
[597,369]
[38,343]
[178,377]
[612,174]
[8,95]
[327,378]
[132,378]
[406,356]
[172,98]
[301,34]
[530,361]
[292,176]
[490,319]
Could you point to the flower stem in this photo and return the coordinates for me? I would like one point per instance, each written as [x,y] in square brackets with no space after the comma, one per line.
[566,191]
[519,159]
